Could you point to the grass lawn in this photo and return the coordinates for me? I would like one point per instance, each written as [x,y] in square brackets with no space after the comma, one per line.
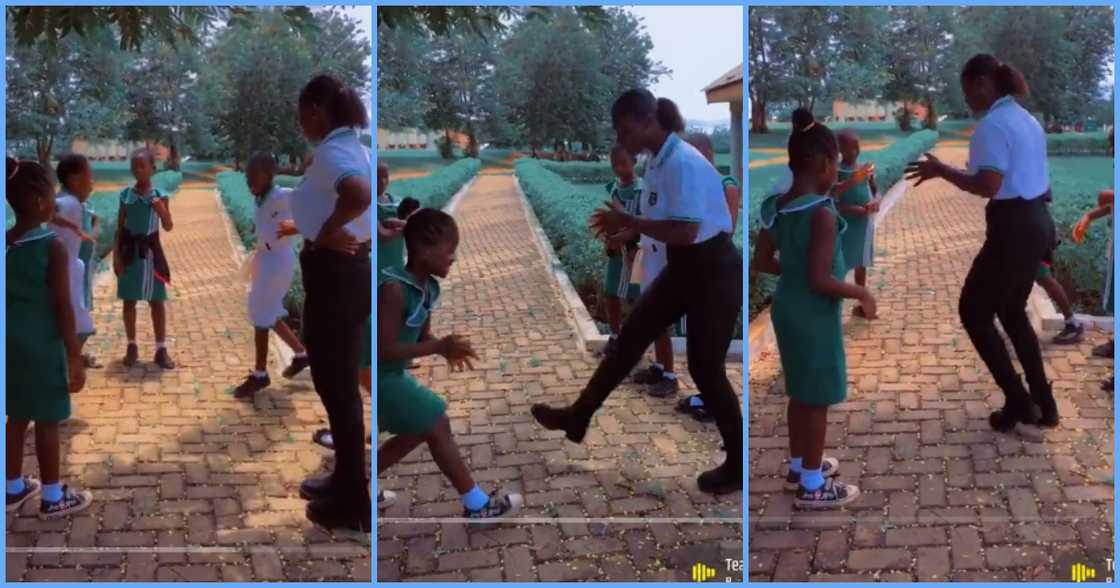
[413,161]
[1082,268]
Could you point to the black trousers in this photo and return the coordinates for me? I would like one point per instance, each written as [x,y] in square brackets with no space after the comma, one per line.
[337,304]
[705,283]
[1020,233]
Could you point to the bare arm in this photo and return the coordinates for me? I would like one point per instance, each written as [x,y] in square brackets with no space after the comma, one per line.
[731,194]
[163,210]
[765,255]
[822,244]
[390,304]
[984,183]
[353,199]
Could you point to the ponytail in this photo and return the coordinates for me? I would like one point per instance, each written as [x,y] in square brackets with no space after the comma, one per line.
[1008,80]
[343,105]
[640,104]
[669,116]
[810,140]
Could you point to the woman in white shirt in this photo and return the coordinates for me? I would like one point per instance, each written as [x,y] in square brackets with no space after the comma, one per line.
[682,206]
[1007,165]
[331,210]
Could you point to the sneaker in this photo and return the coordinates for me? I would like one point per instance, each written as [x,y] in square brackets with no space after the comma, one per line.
[830,495]
[298,365]
[251,386]
[664,388]
[1070,334]
[163,359]
[1109,385]
[131,355]
[830,467]
[31,488]
[1105,350]
[72,502]
[650,375]
[385,499]
[561,419]
[498,506]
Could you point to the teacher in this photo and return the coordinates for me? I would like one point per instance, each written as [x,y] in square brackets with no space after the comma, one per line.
[331,210]
[683,206]
[1007,165]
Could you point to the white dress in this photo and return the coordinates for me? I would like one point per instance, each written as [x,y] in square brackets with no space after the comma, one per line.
[68,207]
[273,263]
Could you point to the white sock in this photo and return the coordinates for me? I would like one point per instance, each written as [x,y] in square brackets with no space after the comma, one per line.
[132,342]
[160,345]
[260,374]
[1073,321]
[300,355]
[669,375]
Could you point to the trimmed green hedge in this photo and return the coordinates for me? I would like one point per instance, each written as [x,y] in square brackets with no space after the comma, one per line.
[1081,268]
[890,163]
[563,209]
[436,189]
[241,207]
[1077,143]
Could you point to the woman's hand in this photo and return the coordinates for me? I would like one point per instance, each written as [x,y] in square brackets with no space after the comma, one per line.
[458,352]
[286,228]
[338,240]
[390,228]
[610,220]
[930,169]
[869,305]
[77,368]
[873,206]
[1081,228]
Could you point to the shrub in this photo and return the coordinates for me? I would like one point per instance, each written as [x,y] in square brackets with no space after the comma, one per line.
[890,163]
[434,190]
[1082,268]
[1077,143]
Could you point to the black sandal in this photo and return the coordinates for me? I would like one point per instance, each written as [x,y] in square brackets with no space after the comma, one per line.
[684,406]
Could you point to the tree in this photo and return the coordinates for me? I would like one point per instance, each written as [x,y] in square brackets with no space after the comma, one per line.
[767,64]
[401,77]
[856,68]
[918,62]
[161,87]
[481,20]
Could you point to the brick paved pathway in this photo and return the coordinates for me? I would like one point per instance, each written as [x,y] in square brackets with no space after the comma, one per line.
[173,460]
[943,496]
[638,460]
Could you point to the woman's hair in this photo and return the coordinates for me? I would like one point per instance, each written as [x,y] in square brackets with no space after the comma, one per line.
[810,139]
[641,104]
[1007,79]
[266,161]
[343,105]
[26,181]
[70,165]
[145,153]
[428,227]
[407,207]
[618,151]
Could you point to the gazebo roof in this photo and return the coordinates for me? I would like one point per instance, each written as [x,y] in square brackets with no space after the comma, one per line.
[726,88]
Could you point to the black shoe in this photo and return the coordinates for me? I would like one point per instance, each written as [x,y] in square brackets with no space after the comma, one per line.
[1105,350]
[163,359]
[1070,334]
[1048,408]
[131,355]
[1014,412]
[251,386]
[649,375]
[315,488]
[721,480]
[298,365]
[561,419]
[664,388]
[333,513]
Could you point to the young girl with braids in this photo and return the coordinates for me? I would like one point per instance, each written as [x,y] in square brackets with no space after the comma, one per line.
[45,364]
[803,226]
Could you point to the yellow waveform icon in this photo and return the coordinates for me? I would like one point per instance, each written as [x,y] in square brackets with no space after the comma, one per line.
[1080,572]
[702,573]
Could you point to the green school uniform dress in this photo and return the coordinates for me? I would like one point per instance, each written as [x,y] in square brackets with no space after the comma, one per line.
[37,378]
[617,279]
[807,325]
[404,405]
[139,279]
[390,252]
[858,242]
[86,253]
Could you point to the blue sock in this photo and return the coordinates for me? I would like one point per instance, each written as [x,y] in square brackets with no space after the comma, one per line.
[475,499]
[16,486]
[52,492]
[795,465]
[811,479]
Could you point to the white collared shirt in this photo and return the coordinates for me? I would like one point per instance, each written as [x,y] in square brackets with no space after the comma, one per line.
[680,184]
[1010,141]
[70,208]
[339,156]
[275,209]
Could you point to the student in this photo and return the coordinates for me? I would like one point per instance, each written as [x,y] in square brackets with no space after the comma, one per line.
[274,264]
[412,413]
[331,210]
[390,226]
[683,207]
[857,199]
[621,249]
[1008,168]
[1073,330]
[703,143]
[138,258]
[804,228]
[1103,209]
[44,356]
[74,227]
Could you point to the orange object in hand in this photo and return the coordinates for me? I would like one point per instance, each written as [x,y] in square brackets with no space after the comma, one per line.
[1105,198]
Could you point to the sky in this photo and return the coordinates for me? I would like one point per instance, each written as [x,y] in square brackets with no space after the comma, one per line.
[699,44]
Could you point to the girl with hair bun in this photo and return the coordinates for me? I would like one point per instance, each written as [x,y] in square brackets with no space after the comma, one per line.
[683,208]
[1007,165]
[804,226]
[44,356]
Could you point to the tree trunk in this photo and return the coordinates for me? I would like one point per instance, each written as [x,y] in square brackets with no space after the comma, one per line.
[758,117]
[931,114]
[43,151]
[472,143]
[904,118]
[172,154]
